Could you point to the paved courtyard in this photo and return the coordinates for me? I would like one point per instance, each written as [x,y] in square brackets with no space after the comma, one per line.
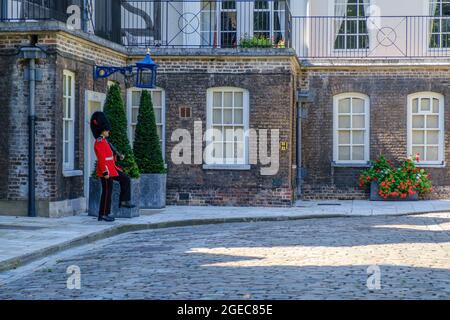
[305,259]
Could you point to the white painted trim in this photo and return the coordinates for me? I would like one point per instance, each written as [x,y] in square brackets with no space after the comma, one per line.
[95,97]
[336,99]
[426,94]
[209,119]
[71,138]
[73,173]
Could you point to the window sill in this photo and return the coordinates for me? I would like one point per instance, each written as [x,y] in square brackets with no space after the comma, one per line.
[350,165]
[72,173]
[424,165]
[239,167]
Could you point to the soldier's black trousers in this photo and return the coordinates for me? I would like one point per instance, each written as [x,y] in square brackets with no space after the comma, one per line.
[107,188]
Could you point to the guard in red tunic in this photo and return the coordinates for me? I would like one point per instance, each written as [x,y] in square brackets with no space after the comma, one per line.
[107,170]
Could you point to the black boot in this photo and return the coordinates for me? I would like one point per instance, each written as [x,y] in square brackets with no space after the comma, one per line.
[106,218]
[126,204]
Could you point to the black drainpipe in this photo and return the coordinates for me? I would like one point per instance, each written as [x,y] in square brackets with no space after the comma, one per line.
[32,53]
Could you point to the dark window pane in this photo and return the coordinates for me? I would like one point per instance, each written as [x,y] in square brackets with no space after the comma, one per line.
[352,10]
[351,26]
[340,42]
[435,41]
[362,26]
[363,42]
[446,9]
[446,40]
[229,5]
[445,25]
[261,4]
[261,21]
[352,42]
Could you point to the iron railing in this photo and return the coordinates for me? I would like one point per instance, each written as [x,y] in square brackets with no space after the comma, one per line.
[371,37]
[36,10]
[210,24]
[247,23]
[169,23]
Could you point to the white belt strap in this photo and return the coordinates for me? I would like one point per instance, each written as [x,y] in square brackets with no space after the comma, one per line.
[109,159]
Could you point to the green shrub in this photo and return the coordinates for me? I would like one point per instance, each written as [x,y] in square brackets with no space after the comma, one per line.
[115,112]
[147,146]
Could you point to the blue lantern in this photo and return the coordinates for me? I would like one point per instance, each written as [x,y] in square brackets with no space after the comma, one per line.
[146,71]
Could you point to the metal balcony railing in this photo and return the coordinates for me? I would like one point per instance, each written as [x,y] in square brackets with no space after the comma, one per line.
[245,23]
[371,37]
[169,23]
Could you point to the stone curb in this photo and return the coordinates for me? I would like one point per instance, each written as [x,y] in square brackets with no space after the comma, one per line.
[116,230]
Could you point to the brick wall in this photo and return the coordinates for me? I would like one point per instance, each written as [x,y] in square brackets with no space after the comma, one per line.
[15,130]
[271,104]
[271,82]
[6,88]
[388,89]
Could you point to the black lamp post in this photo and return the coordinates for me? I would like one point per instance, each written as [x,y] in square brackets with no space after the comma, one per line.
[146,71]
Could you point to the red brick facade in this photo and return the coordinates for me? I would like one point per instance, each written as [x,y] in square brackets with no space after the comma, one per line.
[388,88]
[269,77]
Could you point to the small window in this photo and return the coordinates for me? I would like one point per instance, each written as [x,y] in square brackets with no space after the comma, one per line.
[133,103]
[426,127]
[351,129]
[68,120]
[228,124]
[185,113]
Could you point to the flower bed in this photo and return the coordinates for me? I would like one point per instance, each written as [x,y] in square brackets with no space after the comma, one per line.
[407,182]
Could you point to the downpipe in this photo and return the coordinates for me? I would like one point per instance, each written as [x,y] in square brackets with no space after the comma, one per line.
[32,141]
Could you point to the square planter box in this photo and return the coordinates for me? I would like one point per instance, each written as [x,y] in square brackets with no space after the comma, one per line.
[153,191]
[374,196]
[95,194]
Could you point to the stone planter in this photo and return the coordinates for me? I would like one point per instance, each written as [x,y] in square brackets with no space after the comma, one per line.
[153,191]
[374,196]
[95,194]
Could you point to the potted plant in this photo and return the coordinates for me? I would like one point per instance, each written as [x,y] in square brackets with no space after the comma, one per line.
[256,42]
[148,153]
[115,111]
[407,182]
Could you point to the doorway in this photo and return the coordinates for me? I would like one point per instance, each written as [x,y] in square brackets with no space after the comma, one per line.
[94,101]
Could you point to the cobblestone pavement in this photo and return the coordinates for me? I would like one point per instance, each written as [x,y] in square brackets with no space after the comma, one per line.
[305,259]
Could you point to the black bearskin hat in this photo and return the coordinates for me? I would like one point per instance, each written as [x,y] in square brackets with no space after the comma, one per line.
[99,123]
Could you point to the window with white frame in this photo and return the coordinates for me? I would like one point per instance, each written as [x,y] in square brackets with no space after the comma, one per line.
[208,19]
[440,24]
[269,19]
[68,120]
[426,127]
[228,24]
[351,30]
[227,124]
[351,128]
[133,103]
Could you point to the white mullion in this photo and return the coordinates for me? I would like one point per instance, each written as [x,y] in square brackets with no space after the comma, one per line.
[272,20]
[233,103]
[222,129]
[351,129]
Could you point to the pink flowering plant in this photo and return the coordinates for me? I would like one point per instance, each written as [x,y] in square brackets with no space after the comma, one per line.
[406,180]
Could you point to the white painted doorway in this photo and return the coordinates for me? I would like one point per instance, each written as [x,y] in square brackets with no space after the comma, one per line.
[94,101]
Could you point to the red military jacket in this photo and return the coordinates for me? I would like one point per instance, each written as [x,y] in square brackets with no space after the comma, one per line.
[106,162]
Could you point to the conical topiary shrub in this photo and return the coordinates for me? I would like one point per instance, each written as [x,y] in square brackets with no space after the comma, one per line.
[115,111]
[147,146]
